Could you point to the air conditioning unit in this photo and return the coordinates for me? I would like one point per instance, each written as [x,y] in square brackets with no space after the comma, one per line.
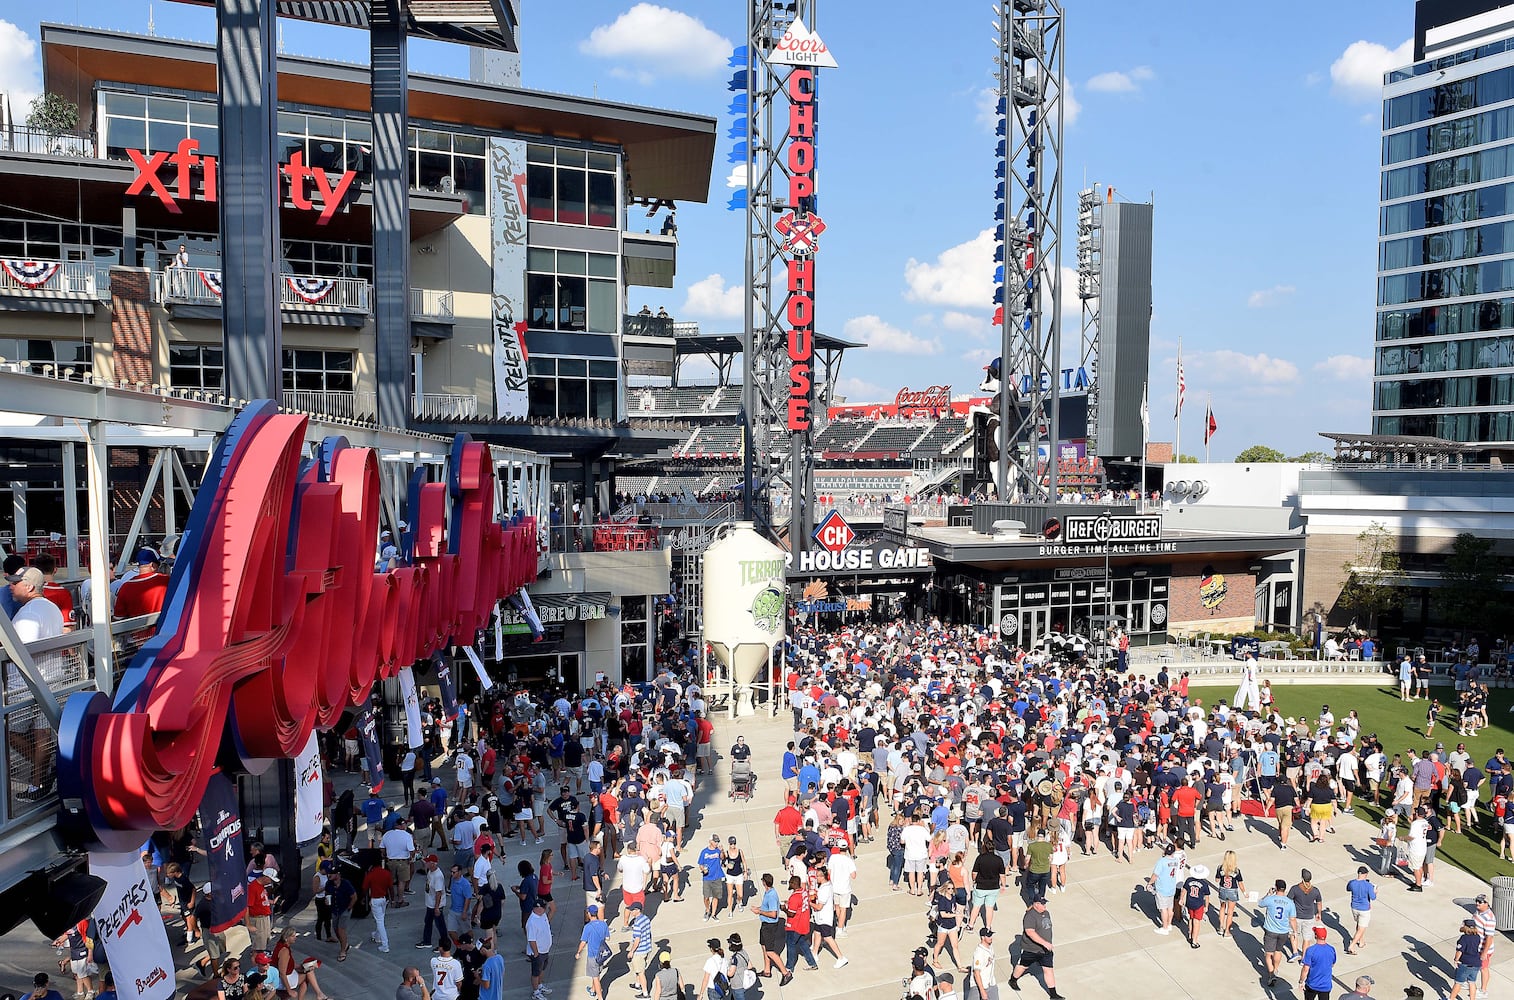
[1181,486]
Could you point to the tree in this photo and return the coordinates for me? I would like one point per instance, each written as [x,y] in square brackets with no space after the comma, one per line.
[1260,453]
[53,115]
[1371,585]
[1313,458]
[1473,590]
[1187,460]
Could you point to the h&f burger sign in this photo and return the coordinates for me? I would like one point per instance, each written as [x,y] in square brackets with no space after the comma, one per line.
[1106,529]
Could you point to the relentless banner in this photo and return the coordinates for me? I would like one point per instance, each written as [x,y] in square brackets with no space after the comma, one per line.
[307,792]
[131,926]
[507,216]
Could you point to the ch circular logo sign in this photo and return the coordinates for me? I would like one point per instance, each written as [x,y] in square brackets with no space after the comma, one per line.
[1010,623]
[1158,614]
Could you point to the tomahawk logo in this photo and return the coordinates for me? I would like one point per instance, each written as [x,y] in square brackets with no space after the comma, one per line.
[153,978]
[801,233]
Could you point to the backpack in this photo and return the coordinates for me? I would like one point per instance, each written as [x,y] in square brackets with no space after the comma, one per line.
[745,976]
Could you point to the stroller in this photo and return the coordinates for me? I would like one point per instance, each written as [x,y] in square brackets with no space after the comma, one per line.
[743,781]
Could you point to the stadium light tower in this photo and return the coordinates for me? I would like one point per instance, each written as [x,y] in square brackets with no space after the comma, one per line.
[1031,45]
[784,56]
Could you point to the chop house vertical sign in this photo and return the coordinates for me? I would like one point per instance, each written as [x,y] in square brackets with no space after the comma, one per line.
[800,227]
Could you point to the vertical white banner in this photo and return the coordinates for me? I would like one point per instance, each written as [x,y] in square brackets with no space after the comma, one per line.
[308,803]
[131,927]
[508,308]
[413,735]
[484,679]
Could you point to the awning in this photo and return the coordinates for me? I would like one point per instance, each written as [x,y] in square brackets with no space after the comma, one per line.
[558,609]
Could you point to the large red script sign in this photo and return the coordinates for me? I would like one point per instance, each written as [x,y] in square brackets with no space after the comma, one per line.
[275,622]
[937,397]
[801,271]
[306,184]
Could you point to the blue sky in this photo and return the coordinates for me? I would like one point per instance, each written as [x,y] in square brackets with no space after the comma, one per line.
[1258,140]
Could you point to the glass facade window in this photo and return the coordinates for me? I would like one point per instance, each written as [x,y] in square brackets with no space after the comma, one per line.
[1455,209]
[46,240]
[319,370]
[156,124]
[1436,393]
[450,162]
[1441,321]
[572,387]
[572,291]
[1446,282]
[78,355]
[1446,245]
[572,186]
[1446,356]
[1492,87]
[1451,426]
[1453,171]
[1443,137]
[195,366]
[329,260]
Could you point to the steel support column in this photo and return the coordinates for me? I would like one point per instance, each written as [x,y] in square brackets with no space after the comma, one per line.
[97,473]
[391,212]
[71,510]
[250,197]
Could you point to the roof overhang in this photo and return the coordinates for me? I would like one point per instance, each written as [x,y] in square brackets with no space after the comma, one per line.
[669,154]
[490,23]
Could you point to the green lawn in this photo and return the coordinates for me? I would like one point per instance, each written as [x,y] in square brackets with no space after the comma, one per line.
[1401,726]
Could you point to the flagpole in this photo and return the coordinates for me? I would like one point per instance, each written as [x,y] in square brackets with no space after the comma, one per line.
[1177,411]
[1145,434]
[1208,415]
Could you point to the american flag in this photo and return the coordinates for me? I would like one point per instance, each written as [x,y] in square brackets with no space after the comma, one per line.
[1182,385]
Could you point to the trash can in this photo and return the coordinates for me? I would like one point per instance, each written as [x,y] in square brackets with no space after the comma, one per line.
[1503,902]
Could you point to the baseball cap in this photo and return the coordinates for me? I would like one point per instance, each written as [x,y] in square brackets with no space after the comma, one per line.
[207,888]
[712,943]
[730,840]
[665,957]
[634,906]
[40,979]
[263,958]
[1322,932]
[1362,869]
[436,781]
[473,810]
[593,910]
[270,873]
[1414,992]
[984,932]
[432,857]
[1306,875]
[31,576]
[146,555]
[1482,897]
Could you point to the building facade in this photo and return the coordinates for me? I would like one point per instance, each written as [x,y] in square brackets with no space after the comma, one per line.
[1444,338]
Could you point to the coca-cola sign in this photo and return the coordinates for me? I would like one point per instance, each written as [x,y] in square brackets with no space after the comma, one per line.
[937,397]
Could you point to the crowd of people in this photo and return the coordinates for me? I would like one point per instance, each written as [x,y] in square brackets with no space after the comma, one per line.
[973,774]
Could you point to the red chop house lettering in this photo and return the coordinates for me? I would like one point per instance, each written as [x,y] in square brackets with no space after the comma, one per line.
[802,245]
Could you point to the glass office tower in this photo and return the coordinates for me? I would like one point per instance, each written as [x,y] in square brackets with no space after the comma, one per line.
[1444,352]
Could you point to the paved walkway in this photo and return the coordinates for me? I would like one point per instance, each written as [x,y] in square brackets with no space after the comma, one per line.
[1103,924]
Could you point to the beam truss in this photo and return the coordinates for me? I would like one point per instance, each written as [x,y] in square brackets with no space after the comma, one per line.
[1031,47]
[1090,293]
[778,460]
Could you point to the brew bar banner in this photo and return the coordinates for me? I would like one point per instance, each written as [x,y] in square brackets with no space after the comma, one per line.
[308,792]
[131,927]
[367,734]
[414,737]
[223,849]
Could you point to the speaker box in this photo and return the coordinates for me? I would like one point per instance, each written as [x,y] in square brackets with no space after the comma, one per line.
[66,899]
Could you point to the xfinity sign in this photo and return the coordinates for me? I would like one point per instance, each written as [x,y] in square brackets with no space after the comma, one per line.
[1106,529]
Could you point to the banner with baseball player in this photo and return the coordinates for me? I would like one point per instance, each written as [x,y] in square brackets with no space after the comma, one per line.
[308,811]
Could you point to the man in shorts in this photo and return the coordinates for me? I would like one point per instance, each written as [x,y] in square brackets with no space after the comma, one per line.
[641,945]
[215,944]
[988,878]
[712,867]
[592,945]
[1036,948]
[1279,926]
[1363,892]
[634,872]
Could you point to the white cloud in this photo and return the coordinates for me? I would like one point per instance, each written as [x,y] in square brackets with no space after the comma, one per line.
[885,337]
[1358,74]
[961,276]
[1264,297]
[1233,366]
[1116,82]
[858,391]
[659,41]
[19,78]
[979,357]
[964,322]
[1346,368]
[1070,107]
[709,298]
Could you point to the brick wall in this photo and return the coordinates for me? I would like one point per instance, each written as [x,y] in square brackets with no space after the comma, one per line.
[1236,613]
[131,324]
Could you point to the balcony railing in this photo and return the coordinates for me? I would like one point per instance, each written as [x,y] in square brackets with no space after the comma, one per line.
[342,404]
[202,287]
[71,278]
[446,406]
[431,304]
[21,139]
[647,326]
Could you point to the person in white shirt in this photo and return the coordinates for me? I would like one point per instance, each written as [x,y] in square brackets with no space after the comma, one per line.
[446,973]
[464,764]
[1346,769]
[36,618]
[634,873]
[538,947]
[399,850]
[916,840]
[843,869]
[985,979]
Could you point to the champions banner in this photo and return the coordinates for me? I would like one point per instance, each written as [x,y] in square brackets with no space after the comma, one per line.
[131,927]
[308,792]
[223,849]
[443,664]
[414,737]
[367,733]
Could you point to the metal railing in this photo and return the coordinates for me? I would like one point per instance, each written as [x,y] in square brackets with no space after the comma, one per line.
[345,404]
[201,287]
[446,406]
[74,278]
[430,304]
[28,765]
[646,326]
[22,139]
